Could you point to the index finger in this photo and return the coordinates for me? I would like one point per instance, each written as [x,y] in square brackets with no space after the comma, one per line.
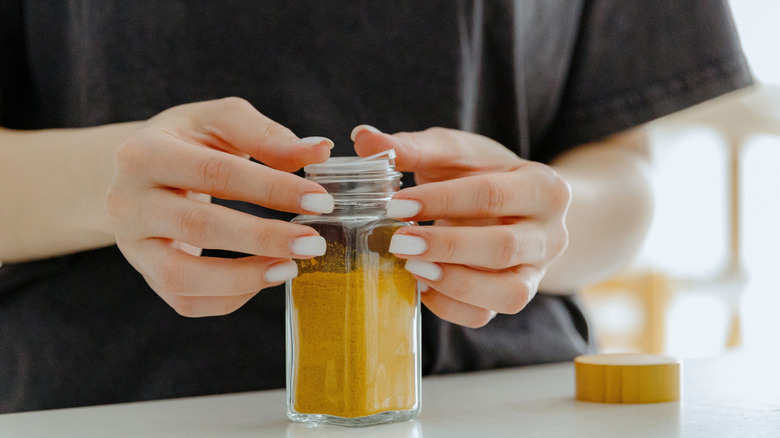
[232,124]
[173,164]
[508,194]
[438,153]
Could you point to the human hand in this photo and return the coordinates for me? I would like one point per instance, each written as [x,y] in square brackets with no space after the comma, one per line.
[498,220]
[159,203]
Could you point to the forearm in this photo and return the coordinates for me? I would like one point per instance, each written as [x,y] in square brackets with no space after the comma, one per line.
[610,211]
[52,189]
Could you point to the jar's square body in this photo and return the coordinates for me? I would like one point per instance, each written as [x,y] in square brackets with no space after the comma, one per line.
[353,323]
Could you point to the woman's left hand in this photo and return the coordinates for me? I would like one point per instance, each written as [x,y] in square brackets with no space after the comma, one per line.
[499,220]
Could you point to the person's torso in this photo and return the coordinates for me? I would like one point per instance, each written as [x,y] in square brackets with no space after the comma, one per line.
[86,328]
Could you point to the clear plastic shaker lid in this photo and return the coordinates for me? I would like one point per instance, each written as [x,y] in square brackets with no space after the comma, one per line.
[382,161]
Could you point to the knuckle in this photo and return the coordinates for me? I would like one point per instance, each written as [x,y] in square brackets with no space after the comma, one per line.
[494,197]
[414,150]
[518,300]
[184,306]
[218,306]
[558,190]
[433,131]
[479,319]
[561,195]
[198,307]
[134,154]
[446,135]
[446,201]
[273,129]
[522,287]
[415,137]
[115,204]
[457,314]
[229,306]
[195,225]
[234,103]
[215,174]
[247,282]
[170,279]
[261,241]
[449,249]
[561,241]
[508,250]
[463,289]
[281,183]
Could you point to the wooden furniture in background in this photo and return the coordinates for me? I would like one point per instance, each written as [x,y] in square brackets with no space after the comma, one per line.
[736,118]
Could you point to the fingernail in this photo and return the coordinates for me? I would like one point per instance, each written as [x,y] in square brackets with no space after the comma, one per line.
[281,272]
[309,246]
[317,202]
[423,287]
[402,208]
[409,245]
[427,270]
[359,128]
[493,315]
[314,141]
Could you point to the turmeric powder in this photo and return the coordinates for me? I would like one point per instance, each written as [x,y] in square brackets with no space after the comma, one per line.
[354,342]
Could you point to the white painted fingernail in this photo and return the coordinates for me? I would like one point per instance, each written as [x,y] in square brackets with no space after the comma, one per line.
[314,141]
[409,245]
[309,246]
[427,270]
[359,128]
[403,208]
[281,272]
[492,314]
[423,287]
[317,202]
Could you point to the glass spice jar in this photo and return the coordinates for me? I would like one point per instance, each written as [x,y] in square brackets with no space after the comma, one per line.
[353,314]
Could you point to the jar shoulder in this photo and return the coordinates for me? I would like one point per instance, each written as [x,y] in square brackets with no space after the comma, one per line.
[355,221]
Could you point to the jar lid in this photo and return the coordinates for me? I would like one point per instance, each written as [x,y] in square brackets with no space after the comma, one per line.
[383,161]
[627,378]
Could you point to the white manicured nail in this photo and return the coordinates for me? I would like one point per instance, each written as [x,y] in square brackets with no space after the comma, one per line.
[281,272]
[309,246]
[359,128]
[423,287]
[409,245]
[493,315]
[427,270]
[314,141]
[317,202]
[402,208]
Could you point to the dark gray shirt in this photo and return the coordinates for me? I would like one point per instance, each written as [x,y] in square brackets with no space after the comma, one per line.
[537,76]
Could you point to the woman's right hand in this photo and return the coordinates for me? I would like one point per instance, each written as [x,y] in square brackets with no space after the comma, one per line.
[159,203]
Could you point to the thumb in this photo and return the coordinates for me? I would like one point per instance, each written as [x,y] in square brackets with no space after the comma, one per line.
[438,153]
[235,126]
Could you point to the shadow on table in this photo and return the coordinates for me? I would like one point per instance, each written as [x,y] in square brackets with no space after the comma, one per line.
[407,429]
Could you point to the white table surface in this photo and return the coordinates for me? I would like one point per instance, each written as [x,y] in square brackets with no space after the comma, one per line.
[733,395]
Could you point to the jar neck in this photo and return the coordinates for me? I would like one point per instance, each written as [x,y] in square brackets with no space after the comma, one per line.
[352,207]
[360,193]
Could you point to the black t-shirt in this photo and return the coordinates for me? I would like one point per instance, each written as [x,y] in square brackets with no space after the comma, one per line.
[537,76]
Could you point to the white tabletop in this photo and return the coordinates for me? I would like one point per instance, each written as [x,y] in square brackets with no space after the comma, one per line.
[734,395]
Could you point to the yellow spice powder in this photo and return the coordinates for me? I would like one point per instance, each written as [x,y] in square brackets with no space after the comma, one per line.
[354,342]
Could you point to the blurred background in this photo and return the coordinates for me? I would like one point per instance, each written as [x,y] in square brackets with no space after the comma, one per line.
[708,277]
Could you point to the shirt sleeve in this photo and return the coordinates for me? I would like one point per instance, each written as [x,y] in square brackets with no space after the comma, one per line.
[636,61]
[12,67]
